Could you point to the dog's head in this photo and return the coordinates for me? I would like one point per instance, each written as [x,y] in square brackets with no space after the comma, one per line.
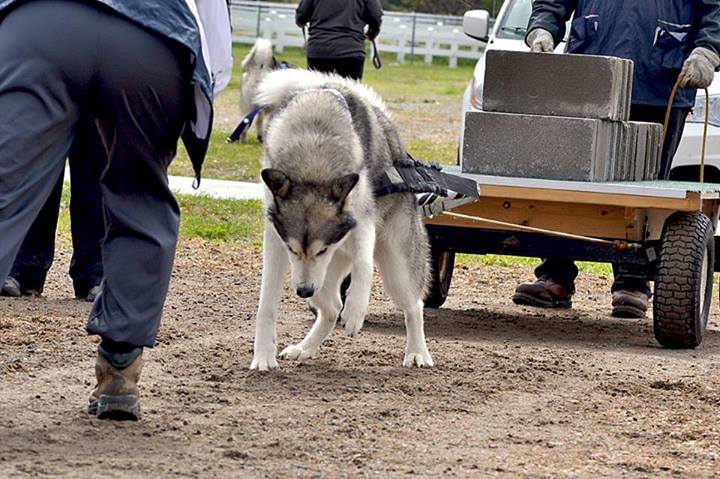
[312,221]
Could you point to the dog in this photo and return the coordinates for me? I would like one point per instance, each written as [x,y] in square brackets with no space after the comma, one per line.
[327,138]
[257,63]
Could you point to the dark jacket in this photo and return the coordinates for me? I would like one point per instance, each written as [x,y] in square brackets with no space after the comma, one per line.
[336,26]
[658,35]
[174,20]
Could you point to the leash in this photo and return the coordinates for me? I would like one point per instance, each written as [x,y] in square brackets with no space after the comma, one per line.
[376,55]
[244,125]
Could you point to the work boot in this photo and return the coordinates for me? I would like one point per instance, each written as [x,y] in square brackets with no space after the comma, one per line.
[116,395]
[629,304]
[543,293]
[11,287]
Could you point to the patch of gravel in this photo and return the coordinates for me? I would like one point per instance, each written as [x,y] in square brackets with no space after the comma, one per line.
[516,391]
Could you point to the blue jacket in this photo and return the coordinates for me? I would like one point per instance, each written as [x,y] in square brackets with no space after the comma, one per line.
[658,35]
[174,20]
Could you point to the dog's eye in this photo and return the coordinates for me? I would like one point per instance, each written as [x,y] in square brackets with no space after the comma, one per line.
[292,251]
[322,251]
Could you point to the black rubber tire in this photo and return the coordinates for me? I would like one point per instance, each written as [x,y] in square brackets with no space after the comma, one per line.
[681,307]
[442,264]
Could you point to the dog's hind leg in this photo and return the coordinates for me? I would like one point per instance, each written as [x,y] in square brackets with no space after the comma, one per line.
[358,296]
[402,261]
[328,303]
[275,267]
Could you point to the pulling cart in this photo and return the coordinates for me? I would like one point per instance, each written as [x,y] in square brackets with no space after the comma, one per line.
[666,228]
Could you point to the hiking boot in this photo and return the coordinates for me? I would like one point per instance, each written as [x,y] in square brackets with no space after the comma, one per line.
[629,304]
[11,287]
[116,395]
[543,293]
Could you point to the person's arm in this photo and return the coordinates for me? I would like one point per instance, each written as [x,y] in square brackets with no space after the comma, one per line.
[373,17]
[551,16]
[709,30]
[303,13]
[215,21]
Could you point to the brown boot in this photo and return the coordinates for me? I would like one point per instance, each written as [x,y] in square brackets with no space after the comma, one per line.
[543,293]
[116,395]
[629,304]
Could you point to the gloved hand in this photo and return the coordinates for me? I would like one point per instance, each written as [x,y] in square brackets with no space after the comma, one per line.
[540,41]
[698,70]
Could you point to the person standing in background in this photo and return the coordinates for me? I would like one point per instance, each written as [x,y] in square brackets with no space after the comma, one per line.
[336,42]
[28,273]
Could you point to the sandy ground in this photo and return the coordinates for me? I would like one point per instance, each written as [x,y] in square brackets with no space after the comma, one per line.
[516,392]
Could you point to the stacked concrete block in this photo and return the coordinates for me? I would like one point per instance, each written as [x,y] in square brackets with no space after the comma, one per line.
[559,117]
[583,86]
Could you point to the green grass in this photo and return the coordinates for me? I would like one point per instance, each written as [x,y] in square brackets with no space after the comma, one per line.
[433,151]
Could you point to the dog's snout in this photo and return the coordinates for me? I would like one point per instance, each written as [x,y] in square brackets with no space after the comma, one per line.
[305,291]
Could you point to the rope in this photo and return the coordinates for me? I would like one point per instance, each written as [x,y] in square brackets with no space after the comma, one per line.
[666,124]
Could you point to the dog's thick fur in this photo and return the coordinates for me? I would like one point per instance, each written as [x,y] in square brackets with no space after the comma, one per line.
[326,139]
[258,62]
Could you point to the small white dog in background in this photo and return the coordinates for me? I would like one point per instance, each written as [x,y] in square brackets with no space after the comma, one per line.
[327,139]
[258,62]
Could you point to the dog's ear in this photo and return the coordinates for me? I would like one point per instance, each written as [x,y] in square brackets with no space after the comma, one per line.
[340,188]
[277,181]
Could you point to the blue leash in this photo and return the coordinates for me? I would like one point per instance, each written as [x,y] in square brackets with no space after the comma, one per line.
[244,124]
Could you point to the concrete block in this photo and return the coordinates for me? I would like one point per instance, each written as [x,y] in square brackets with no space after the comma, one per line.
[581,86]
[531,146]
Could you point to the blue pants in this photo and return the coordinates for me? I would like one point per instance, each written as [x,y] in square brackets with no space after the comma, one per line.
[61,61]
[564,271]
[87,160]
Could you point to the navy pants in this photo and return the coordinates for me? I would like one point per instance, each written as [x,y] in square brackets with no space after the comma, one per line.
[564,271]
[87,160]
[61,61]
[345,67]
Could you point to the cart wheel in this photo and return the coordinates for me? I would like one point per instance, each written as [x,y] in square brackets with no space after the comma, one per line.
[441,264]
[684,281]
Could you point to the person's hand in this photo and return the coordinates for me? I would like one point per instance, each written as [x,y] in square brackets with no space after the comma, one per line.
[541,41]
[698,70]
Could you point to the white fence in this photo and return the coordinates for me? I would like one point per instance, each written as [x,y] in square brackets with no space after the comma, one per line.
[404,34]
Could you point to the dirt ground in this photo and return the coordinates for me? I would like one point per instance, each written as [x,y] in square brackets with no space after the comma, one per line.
[516,392]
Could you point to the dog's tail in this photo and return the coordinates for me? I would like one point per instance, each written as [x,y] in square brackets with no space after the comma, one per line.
[260,56]
[277,86]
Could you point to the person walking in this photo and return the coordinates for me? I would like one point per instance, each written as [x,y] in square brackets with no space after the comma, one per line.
[666,40]
[147,71]
[29,271]
[336,41]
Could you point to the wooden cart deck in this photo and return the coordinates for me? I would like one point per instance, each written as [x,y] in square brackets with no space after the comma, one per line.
[627,211]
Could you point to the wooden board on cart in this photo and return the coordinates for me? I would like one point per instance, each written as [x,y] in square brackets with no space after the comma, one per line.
[602,210]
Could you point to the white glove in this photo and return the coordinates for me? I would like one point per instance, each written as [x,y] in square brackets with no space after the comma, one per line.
[698,70]
[540,41]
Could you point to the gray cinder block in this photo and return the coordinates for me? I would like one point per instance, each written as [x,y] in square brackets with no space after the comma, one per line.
[560,148]
[531,146]
[581,86]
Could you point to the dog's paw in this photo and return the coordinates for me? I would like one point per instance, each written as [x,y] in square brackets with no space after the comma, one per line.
[421,359]
[295,352]
[352,320]
[264,361]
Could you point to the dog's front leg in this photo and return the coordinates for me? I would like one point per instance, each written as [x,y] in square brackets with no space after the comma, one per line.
[275,267]
[358,297]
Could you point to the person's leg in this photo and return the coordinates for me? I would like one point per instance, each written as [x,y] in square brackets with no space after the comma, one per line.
[345,67]
[38,248]
[553,288]
[631,289]
[42,71]
[87,161]
[140,118]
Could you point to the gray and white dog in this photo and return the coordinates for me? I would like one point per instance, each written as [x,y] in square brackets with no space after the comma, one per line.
[256,64]
[326,140]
